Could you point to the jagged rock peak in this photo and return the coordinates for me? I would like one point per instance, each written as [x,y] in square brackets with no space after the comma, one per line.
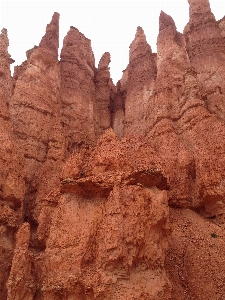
[4,32]
[4,41]
[140,33]
[139,37]
[200,11]
[104,61]
[72,28]
[165,21]
[139,46]
[4,44]
[5,61]
[75,41]
[50,40]
[202,4]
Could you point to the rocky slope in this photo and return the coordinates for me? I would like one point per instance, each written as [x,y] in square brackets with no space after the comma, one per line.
[115,192]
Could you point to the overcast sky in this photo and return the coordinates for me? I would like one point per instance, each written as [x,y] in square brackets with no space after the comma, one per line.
[110,25]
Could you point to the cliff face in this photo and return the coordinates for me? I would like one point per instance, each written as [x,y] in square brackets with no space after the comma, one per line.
[206,50]
[35,99]
[140,84]
[115,192]
[12,175]
[104,95]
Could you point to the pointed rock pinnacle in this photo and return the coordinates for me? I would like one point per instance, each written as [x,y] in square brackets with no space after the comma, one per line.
[104,61]
[139,46]
[50,40]
[200,11]
[165,21]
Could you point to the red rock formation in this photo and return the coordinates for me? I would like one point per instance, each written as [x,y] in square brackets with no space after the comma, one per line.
[206,49]
[104,94]
[34,108]
[18,70]
[221,24]
[140,84]
[195,258]
[34,104]
[6,60]
[118,106]
[118,112]
[178,103]
[12,187]
[192,138]
[77,67]
[120,231]
[135,213]
[20,284]
[167,108]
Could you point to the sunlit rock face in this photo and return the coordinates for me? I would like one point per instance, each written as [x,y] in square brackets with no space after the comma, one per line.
[114,192]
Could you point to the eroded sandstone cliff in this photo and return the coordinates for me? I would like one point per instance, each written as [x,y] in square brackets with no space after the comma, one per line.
[115,192]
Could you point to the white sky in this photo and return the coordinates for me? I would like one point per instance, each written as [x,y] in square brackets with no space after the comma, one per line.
[110,25]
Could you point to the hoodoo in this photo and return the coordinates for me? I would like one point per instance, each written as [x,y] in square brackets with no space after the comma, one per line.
[115,192]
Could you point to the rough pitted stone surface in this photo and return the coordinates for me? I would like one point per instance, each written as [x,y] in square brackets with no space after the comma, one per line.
[6,85]
[135,211]
[120,232]
[188,136]
[206,49]
[104,94]
[20,284]
[167,108]
[195,258]
[221,24]
[77,68]
[34,110]
[12,177]
[140,84]
[118,106]
[181,129]
[35,101]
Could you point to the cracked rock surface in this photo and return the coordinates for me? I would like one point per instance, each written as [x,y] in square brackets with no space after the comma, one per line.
[115,192]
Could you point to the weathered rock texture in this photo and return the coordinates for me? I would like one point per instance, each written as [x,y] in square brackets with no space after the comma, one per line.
[35,101]
[77,69]
[141,74]
[20,284]
[106,249]
[195,257]
[104,94]
[12,176]
[206,50]
[135,211]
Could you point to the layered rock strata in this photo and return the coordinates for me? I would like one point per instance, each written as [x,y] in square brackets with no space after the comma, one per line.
[77,69]
[104,95]
[192,138]
[183,128]
[35,101]
[118,237]
[132,212]
[206,50]
[12,177]
[118,106]
[141,74]
[195,257]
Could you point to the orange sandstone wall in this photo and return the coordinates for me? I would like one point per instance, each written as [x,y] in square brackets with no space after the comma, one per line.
[115,192]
